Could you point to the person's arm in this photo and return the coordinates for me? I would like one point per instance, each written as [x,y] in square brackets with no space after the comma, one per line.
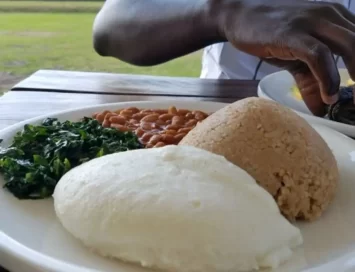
[150,32]
[299,36]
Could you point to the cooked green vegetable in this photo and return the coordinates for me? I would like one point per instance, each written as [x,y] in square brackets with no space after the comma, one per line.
[40,155]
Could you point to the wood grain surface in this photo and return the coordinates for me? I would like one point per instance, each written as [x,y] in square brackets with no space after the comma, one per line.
[105,83]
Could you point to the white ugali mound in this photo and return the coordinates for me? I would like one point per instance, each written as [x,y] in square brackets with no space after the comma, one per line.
[177,208]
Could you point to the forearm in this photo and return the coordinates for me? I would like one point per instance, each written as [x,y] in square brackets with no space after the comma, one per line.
[149,32]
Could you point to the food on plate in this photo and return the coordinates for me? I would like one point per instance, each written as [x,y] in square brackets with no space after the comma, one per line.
[350,82]
[176,208]
[277,148]
[40,154]
[154,127]
[296,93]
[343,110]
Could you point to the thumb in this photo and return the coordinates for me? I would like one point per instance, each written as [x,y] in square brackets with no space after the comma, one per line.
[310,92]
[306,83]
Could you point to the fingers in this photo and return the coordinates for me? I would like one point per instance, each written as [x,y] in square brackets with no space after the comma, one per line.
[347,14]
[341,41]
[336,13]
[306,82]
[337,31]
[309,89]
[321,64]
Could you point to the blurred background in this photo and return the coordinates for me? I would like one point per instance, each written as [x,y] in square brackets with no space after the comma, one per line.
[57,35]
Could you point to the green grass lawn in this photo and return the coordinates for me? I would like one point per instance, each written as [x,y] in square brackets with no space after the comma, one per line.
[57,35]
[49,6]
[32,41]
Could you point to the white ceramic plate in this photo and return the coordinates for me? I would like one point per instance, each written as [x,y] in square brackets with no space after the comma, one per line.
[32,239]
[277,87]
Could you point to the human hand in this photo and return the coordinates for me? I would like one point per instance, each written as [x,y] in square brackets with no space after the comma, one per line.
[299,36]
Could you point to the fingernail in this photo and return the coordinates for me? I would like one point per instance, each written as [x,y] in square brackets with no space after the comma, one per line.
[333,99]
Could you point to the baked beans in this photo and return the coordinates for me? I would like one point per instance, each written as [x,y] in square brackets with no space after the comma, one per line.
[153,127]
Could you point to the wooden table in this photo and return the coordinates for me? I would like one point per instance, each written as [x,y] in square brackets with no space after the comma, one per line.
[48,91]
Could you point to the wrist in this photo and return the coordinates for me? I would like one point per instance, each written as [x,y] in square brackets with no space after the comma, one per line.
[222,13]
[213,12]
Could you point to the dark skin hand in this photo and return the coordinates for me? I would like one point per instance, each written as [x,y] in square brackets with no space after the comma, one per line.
[299,36]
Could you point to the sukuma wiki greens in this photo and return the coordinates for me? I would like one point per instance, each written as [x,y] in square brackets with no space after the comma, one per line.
[41,154]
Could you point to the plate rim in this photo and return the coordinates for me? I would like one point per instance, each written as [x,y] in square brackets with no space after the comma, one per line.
[311,118]
[102,106]
[39,260]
